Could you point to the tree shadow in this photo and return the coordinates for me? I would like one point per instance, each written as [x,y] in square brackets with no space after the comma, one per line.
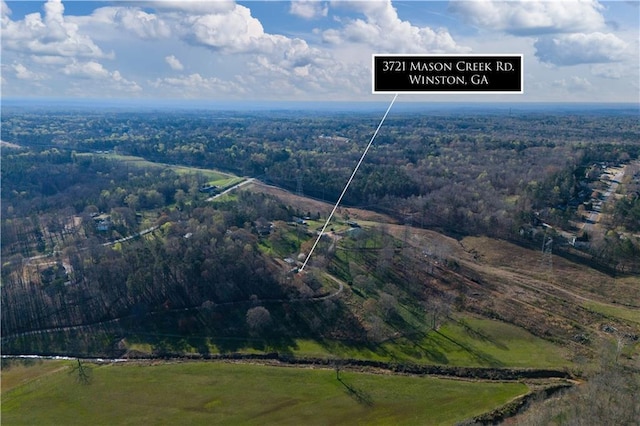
[200,344]
[417,349]
[264,343]
[476,333]
[478,355]
[82,372]
[431,353]
[359,395]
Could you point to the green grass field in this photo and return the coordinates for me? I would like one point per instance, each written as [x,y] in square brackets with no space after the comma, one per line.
[629,314]
[19,373]
[473,342]
[214,177]
[223,393]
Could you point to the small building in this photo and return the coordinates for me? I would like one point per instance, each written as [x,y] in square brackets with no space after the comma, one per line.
[262,226]
[104,225]
[55,274]
[208,189]
[299,220]
[102,222]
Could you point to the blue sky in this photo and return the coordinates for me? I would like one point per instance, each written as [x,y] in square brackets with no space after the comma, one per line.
[574,51]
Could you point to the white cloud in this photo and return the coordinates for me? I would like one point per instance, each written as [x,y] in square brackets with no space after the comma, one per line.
[124,84]
[49,60]
[195,86]
[612,71]
[325,78]
[174,63]
[309,9]
[532,17]
[125,20]
[89,69]
[384,31]
[232,54]
[92,70]
[23,73]
[574,84]
[194,81]
[234,31]
[51,36]
[193,7]
[142,24]
[4,10]
[574,49]
[220,26]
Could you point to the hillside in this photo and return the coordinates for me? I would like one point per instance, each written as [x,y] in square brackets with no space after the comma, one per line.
[551,296]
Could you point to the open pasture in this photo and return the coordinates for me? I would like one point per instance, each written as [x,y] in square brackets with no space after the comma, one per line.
[226,393]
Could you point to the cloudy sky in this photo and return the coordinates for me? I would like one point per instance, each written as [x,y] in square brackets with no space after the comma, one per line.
[578,51]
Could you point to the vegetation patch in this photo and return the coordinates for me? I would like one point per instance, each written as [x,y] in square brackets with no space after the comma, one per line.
[621,312]
[211,175]
[20,372]
[467,342]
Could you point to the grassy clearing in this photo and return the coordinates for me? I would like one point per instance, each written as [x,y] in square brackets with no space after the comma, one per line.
[225,181]
[629,314]
[215,177]
[472,342]
[229,197]
[483,342]
[218,393]
[20,372]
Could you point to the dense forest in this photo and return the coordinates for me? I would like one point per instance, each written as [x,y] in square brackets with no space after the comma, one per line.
[463,174]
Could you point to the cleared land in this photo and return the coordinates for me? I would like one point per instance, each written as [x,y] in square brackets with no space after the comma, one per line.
[224,393]
[215,177]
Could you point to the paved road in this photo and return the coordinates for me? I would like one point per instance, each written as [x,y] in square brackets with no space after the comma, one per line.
[108,243]
[594,216]
[232,188]
[130,237]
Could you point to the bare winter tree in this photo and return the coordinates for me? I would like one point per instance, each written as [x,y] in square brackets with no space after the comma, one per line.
[258,319]
[437,309]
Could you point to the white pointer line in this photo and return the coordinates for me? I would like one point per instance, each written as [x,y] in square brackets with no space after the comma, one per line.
[348,183]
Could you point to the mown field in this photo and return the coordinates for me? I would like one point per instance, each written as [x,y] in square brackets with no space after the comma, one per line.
[225,393]
[215,177]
